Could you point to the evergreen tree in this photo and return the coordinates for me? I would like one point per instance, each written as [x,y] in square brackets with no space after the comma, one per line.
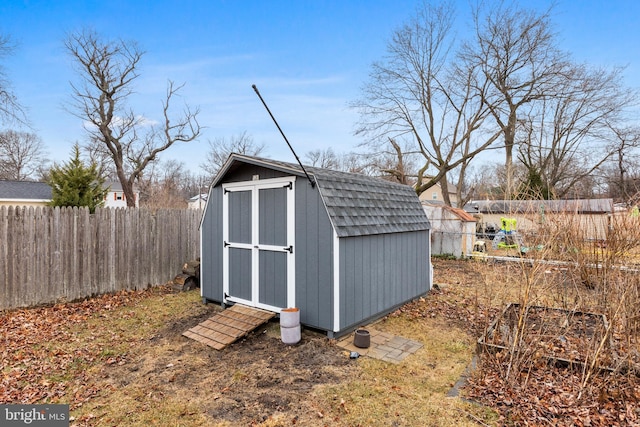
[74,184]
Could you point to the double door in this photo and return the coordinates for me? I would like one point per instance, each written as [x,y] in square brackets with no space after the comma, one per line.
[258,239]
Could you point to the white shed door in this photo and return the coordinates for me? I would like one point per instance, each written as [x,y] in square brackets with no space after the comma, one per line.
[258,235]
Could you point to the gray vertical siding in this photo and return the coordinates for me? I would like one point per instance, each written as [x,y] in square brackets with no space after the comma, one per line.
[240,273]
[379,272]
[249,171]
[211,242]
[273,216]
[273,231]
[239,216]
[314,258]
[273,278]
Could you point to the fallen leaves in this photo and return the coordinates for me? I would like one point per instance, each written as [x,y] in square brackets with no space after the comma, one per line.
[542,394]
[550,397]
[343,406]
[42,358]
[48,355]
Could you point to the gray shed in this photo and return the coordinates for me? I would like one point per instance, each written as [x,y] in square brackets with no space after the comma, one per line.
[345,251]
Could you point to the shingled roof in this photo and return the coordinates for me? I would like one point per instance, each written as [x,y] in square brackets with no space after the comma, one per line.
[584,206]
[358,205]
[25,190]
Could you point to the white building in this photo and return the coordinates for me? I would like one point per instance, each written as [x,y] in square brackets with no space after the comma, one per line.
[452,230]
[115,197]
[198,201]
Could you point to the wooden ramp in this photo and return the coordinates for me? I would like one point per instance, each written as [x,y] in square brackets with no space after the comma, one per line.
[228,326]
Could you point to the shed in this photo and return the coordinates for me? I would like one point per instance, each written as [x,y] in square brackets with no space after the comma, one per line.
[345,250]
[452,230]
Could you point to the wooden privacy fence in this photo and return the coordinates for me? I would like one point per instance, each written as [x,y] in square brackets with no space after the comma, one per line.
[52,254]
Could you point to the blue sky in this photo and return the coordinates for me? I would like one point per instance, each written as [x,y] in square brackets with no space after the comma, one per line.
[309,59]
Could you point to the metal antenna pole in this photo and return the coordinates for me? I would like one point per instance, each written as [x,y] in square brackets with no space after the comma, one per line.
[313,183]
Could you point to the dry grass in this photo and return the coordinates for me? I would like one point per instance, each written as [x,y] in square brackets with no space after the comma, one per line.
[413,393]
[577,267]
[126,336]
[139,387]
[129,365]
[146,373]
[364,392]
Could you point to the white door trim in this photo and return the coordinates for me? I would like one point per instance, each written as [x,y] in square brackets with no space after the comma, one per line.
[255,246]
[336,282]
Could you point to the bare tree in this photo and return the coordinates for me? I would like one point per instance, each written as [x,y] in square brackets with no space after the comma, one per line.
[486,181]
[396,163]
[163,185]
[220,149]
[623,172]
[22,156]
[568,136]
[419,96]
[326,159]
[371,164]
[108,70]
[10,110]
[516,54]
[96,152]
[478,179]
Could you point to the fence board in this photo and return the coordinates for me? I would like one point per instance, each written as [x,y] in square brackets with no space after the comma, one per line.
[53,254]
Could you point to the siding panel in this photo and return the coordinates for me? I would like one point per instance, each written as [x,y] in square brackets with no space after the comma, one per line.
[273,279]
[273,216]
[314,272]
[211,284]
[240,273]
[240,216]
[401,274]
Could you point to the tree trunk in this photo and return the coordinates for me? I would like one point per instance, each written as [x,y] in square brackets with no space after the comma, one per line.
[509,143]
[127,189]
[444,186]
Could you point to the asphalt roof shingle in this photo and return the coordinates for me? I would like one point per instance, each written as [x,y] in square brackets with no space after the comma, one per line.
[358,205]
[24,190]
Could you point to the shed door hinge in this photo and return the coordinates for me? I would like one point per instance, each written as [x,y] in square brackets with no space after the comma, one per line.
[289,249]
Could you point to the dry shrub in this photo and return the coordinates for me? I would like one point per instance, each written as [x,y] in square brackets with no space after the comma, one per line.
[579,263]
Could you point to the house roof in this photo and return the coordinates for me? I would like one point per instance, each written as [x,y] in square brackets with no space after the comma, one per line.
[460,213]
[116,186]
[358,205]
[199,197]
[25,190]
[450,187]
[528,206]
[113,185]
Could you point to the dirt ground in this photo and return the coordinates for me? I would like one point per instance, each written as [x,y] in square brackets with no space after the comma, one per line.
[121,359]
[112,377]
[248,383]
[255,376]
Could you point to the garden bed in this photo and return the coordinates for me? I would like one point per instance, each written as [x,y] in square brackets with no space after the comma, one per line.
[564,337]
